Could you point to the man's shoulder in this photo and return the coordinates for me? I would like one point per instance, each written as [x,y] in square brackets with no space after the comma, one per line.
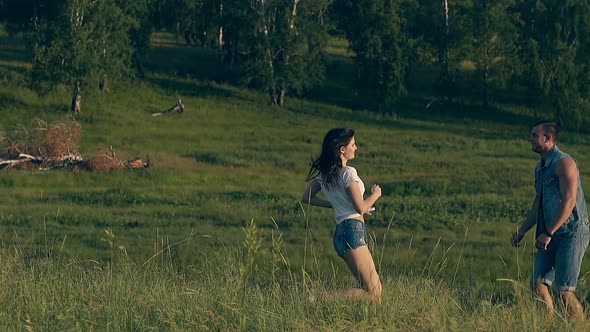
[560,154]
[566,165]
[566,161]
[564,157]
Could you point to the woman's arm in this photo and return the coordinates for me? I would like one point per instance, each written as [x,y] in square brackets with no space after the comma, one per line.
[362,205]
[310,195]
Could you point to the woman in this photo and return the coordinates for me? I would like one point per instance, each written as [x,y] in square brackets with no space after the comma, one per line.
[344,190]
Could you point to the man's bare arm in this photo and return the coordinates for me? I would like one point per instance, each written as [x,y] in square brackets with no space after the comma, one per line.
[567,173]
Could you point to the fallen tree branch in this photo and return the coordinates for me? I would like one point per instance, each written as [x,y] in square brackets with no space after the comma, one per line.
[178,108]
[99,163]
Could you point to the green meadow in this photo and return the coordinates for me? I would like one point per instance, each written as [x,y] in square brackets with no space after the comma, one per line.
[213,237]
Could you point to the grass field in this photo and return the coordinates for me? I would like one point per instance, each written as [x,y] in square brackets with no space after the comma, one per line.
[165,248]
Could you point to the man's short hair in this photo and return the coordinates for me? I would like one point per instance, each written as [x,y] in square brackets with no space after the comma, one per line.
[548,127]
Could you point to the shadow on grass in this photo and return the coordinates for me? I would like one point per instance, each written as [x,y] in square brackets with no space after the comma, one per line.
[189,71]
[191,62]
[9,101]
[422,103]
[189,87]
[440,110]
[22,113]
[13,49]
[214,159]
[14,54]
[338,87]
[14,72]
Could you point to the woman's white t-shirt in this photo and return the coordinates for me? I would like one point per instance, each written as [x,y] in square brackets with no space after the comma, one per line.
[337,194]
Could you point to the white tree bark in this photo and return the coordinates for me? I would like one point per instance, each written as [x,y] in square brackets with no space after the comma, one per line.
[294,14]
[446,8]
[220,35]
[76,107]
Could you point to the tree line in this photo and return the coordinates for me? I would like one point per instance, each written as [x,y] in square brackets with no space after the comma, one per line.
[540,47]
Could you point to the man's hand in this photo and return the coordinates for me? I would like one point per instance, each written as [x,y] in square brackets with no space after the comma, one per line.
[543,241]
[516,238]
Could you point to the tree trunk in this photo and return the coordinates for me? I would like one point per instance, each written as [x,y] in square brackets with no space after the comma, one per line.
[293,14]
[273,96]
[103,86]
[139,66]
[232,50]
[220,40]
[446,8]
[533,10]
[76,100]
[35,17]
[271,69]
[486,64]
[447,81]
[282,91]
[485,96]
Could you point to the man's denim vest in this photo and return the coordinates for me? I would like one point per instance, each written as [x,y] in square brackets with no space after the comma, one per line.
[547,184]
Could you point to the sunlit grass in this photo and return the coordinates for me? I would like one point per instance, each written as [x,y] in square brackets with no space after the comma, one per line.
[246,287]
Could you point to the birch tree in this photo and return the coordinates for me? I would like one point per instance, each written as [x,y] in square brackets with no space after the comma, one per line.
[563,62]
[494,47]
[86,41]
[445,25]
[373,28]
[284,46]
[138,14]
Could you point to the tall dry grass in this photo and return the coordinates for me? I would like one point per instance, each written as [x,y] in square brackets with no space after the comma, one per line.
[245,288]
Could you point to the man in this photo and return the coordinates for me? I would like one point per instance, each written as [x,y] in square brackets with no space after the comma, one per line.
[560,214]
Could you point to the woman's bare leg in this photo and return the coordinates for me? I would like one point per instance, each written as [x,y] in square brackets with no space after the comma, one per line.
[360,262]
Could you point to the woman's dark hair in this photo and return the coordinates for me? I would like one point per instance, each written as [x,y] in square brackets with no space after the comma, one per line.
[328,163]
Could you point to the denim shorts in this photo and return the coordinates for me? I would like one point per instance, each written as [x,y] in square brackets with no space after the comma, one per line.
[349,234]
[562,260]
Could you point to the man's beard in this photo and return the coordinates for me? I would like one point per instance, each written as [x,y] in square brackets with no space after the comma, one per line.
[537,148]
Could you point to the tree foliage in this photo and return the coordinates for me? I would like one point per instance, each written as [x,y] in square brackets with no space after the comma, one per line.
[374,31]
[494,44]
[284,45]
[562,63]
[471,48]
[86,41]
[138,14]
[451,44]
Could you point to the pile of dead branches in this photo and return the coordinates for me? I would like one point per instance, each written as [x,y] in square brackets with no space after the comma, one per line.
[55,146]
[107,160]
